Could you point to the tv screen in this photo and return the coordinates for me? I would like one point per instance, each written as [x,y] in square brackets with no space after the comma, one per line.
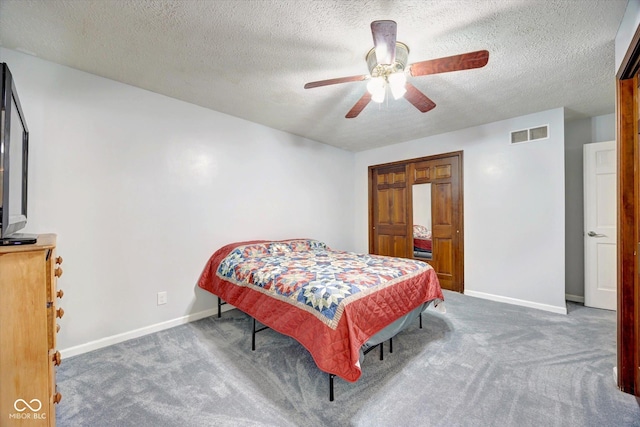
[14,156]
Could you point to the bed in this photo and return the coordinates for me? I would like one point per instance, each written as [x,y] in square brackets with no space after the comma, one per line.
[422,242]
[332,302]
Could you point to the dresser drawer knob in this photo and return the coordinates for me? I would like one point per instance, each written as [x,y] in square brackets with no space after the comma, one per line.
[59,313]
[58,272]
[57,397]
[57,328]
[59,260]
[57,358]
[60,293]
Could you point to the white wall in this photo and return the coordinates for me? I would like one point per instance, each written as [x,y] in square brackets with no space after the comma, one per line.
[514,214]
[578,133]
[142,188]
[627,30]
[603,128]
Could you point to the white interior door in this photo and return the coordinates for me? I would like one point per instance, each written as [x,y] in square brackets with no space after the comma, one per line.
[600,225]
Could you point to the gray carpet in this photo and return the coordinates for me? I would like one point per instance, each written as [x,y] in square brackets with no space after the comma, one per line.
[482,363]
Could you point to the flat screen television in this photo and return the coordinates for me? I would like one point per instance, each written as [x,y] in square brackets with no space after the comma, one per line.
[14,160]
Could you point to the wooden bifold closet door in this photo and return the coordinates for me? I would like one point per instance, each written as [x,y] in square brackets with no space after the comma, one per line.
[389,200]
[391,212]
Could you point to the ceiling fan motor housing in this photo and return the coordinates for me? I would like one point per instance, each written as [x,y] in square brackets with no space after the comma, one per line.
[383,70]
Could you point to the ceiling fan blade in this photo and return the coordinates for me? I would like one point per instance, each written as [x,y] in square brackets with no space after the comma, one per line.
[335,81]
[464,61]
[356,109]
[418,99]
[384,40]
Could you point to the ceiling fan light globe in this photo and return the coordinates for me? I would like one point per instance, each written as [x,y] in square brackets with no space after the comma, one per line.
[377,88]
[398,91]
[378,96]
[397,79]
[397,82]
[375,85]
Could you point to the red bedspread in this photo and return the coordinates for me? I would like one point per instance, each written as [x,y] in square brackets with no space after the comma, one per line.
[330,301]
[424,244]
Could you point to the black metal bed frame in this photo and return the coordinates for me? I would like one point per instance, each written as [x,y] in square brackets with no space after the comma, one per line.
[331,376]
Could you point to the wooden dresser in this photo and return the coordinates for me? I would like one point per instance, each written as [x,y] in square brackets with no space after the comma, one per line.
[28,312]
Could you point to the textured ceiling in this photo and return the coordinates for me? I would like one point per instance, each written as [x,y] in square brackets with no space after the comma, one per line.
[251,59]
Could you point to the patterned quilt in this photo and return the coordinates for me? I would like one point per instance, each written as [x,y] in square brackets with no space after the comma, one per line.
[330,301]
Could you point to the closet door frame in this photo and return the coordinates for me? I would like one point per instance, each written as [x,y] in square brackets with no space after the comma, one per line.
[628,187]
[458,249]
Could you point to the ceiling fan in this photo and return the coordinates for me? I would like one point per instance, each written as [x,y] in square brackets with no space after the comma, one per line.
[387,63]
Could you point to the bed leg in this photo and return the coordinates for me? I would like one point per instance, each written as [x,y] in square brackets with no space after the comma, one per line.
[220,304]
[331,377]
[381,351]
[390,345]
[253,335]
[420,320]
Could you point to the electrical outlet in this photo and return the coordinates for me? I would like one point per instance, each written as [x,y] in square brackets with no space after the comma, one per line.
[162,298]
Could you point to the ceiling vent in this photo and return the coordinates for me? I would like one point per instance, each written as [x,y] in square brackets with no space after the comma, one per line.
[532,134]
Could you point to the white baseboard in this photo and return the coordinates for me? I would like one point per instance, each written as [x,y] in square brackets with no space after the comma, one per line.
[574,298]
[515,301]
[115,339]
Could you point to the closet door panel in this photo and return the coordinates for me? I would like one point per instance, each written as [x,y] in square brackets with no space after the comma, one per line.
[382,207]
[444,261]
[422,172]
[391,207]
[442,205]
[391,245]
[443,171]
[443,232]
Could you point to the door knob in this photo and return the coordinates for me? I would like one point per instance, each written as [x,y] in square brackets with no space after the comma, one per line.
[594,234]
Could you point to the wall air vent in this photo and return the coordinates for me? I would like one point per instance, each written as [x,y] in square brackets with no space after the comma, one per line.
[532,134]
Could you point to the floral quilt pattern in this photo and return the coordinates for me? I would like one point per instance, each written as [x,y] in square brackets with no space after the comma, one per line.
[307,272]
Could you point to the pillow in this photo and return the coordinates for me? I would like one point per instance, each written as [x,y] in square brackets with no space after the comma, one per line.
[255,250]
[421,232]
[301,245]
[279,248]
